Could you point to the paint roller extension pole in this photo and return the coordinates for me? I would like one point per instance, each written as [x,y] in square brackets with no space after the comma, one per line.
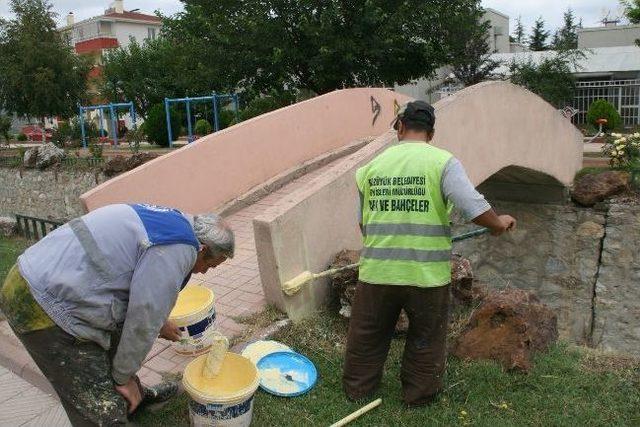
[346,420]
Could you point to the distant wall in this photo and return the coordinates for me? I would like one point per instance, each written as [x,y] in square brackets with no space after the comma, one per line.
[217,168]
[45,194]
[488,127]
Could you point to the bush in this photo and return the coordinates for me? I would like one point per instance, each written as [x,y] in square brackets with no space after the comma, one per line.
[95,150]
[155,126]
[5,127]
[134,138]
[264,104]
[601,109]
[203,127]
[226,119]
[22,137]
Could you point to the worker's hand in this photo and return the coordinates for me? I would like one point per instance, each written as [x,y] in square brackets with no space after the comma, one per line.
[170,331]
[132,392]
[507,223]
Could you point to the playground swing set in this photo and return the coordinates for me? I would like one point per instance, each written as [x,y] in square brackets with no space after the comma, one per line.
[113,113]
[214,99]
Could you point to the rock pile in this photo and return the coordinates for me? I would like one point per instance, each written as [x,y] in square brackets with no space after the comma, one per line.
[119,164]
[43,156]
[464,290]
[509,326]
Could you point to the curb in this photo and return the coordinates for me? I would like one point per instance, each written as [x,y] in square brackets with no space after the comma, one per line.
[17,360]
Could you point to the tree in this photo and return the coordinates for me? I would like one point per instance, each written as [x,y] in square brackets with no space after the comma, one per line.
[518,33]
[552,78]
[567,37]
[41,76]
[147,73]
[316,45]
[539,36]
[5,127]
[632,10]
[470,54]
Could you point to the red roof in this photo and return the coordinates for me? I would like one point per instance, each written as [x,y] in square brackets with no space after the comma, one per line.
[96,44]
[133,15]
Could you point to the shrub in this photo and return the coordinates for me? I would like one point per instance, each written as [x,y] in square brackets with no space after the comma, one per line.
[264,104]
[203,127]
[22,137]
[134,138]
[5,127]
[226,118]
[601,109]
[155,126]
[95,150]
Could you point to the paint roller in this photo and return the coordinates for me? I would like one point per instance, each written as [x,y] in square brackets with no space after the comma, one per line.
[293,286]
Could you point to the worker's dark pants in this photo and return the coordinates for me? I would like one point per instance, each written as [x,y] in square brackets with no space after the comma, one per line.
[80,372]
[374,314]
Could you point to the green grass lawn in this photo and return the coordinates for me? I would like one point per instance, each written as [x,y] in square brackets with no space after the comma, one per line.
[10,249]
[568,386]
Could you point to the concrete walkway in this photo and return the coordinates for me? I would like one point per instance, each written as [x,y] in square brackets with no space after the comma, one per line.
[238,292]
[22,404]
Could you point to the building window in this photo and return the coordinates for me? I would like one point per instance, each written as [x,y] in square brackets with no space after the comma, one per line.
[152,33]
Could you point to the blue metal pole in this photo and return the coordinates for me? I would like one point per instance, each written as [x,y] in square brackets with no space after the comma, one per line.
[81,118]
[100,124]
[114,119]
[133,116]
[166,110]
[216,120]
[190,139]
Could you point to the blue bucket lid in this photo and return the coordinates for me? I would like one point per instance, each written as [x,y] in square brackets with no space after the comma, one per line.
[286,374]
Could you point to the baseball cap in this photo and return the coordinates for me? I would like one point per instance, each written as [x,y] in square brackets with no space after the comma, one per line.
[418,113]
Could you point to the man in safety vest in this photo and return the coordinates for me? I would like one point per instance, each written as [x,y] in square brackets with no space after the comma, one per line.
[405,264]
[89,300]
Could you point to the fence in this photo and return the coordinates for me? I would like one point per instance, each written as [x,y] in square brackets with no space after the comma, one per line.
[623,94]
[35,228]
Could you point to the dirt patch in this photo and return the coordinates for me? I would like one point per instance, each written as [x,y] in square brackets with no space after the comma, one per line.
[509,327]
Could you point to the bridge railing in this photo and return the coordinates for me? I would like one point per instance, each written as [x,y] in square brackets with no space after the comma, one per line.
[35,228]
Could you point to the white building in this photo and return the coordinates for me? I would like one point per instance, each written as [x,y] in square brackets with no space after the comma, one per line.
[609,35]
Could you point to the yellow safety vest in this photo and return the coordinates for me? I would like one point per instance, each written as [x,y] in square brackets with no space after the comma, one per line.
[406,225]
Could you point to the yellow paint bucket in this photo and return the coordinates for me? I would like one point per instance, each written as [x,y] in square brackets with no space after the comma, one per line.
[194,314]
[225,400]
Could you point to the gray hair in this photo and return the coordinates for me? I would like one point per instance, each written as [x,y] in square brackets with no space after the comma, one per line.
[212,231]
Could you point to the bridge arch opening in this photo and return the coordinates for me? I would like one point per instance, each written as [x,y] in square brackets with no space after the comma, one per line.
[520,184]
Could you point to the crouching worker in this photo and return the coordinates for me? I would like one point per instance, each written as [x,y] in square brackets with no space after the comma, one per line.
[89,299]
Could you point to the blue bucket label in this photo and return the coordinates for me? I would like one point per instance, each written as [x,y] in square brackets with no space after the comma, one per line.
[196,330]
[221,412]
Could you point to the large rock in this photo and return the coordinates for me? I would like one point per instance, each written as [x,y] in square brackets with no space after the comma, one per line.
[43,156]
[464,289]
[509,327]
[8,226]
[594,188]
[119,164]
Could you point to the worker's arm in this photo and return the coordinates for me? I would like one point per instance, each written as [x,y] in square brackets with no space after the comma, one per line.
[458,189]
[154,288]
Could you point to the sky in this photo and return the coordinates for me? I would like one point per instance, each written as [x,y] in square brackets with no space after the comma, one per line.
[591,11]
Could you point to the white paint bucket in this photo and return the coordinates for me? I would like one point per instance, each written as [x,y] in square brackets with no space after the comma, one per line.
[194,313]
[225,400]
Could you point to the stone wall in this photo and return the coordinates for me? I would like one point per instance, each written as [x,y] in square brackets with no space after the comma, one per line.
[554,252]
[51,193]
[617,302]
